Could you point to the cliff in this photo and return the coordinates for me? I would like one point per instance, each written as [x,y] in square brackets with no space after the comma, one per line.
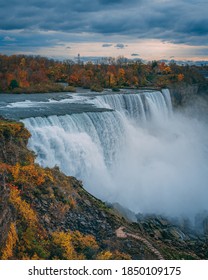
[47,215]
[183,93]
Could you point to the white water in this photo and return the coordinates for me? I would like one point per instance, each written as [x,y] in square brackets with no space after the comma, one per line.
[140,155]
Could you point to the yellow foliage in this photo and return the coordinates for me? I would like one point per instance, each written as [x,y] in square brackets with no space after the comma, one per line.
[111,77]
[10,243]
[74,244]
[167,70]
[22,62]
[64,240]
[13,129]
[35,257]
[135,80]
[82,241]
[116,255]
[29,174]
[105,255]
[49,175]
[121,73]
[15,171]
[23,207]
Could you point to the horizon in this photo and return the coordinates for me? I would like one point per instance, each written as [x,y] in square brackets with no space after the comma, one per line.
[104,59]
[148,30]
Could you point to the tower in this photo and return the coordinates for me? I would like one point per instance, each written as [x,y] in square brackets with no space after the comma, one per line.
[78,59]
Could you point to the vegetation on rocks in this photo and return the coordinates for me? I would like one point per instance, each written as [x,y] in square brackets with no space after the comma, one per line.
[47,215]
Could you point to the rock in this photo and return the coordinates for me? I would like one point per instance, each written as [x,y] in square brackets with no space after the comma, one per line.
[157,234]
[87,202]
[125,212]
[181,94]
[46,219]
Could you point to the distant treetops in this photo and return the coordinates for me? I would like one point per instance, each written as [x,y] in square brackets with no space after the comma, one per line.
[19,73]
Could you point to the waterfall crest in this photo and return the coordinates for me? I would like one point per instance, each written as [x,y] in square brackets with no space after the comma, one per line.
[148,105]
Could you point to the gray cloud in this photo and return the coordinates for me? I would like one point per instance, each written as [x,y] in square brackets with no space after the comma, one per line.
[134,54]
[106,45]
[120,46]
[174,21]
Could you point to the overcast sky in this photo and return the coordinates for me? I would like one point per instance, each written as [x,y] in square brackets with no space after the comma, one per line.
[148,29]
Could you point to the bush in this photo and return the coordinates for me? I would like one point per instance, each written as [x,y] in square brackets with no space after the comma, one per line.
[96,88]
[70,89]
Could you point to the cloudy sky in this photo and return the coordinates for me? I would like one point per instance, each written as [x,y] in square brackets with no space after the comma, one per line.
[148,29]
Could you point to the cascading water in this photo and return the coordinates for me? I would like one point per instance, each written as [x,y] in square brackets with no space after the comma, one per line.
[152,105]
[139,155]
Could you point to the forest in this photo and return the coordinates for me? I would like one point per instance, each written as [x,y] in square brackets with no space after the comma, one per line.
[34,74]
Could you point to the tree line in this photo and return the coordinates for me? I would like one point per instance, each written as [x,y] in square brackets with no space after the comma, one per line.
[20,73]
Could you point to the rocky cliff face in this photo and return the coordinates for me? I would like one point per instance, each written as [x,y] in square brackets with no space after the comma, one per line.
[6,214]
[182,93]
[47,215]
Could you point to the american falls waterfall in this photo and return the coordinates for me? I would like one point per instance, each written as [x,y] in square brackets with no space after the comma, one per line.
[140,153]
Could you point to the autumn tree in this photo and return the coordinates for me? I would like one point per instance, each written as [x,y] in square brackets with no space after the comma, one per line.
[12,238]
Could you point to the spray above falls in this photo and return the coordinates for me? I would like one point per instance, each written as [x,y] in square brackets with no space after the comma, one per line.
[139,154]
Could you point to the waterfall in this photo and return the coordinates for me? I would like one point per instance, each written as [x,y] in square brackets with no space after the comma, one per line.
[72,138]
[85,145]
[154,105]
[138,154]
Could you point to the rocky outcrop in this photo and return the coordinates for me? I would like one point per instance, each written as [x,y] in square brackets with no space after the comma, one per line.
[182,93]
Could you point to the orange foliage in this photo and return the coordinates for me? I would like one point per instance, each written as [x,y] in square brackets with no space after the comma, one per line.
[29,174]
[64,240]
[74,244]
[23,207]
[167,70]
[23,82]
[4,168]
[14,129]
[84,241]
[105,255]
[39,74]
[10,77]
[73,79]
[180,77]
[116,255]
[11,241]
[111,78]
